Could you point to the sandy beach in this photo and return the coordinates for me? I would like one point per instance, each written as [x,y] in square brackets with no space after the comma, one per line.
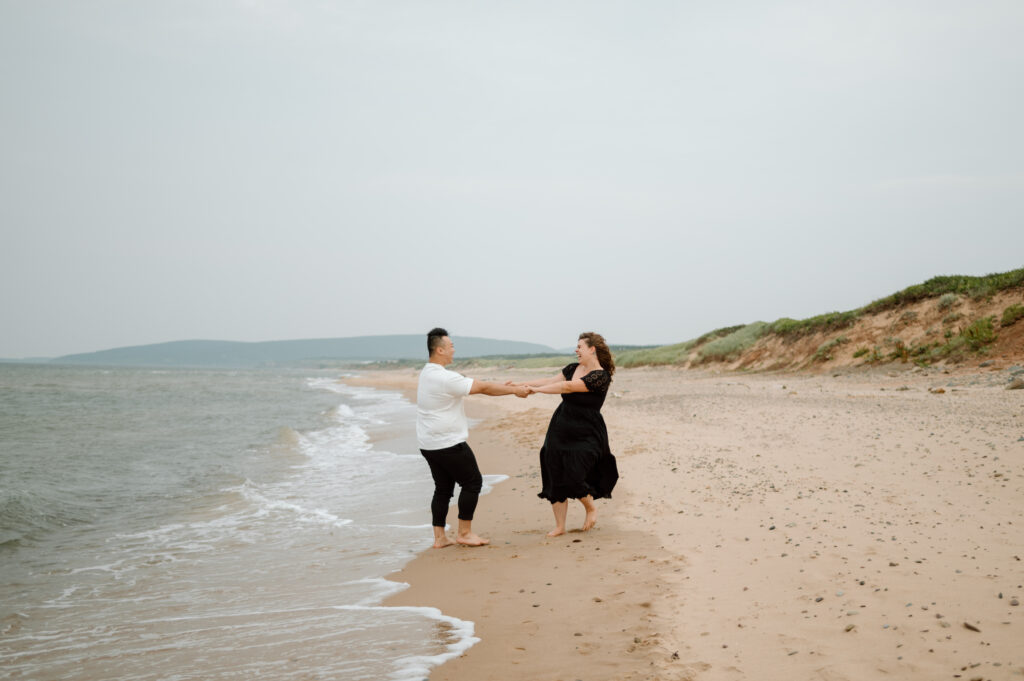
[862,524]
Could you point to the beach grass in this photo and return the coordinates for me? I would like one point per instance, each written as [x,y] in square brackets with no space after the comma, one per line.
[729,346]
[937,287]
[825,350]
[831,321]
[659,356]
[1012,314]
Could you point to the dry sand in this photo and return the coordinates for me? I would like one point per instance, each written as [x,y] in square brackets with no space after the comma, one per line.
[766,526]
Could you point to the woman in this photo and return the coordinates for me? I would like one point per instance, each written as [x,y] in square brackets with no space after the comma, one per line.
[575,461]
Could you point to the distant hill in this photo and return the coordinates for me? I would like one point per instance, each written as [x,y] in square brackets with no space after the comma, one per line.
[231,354]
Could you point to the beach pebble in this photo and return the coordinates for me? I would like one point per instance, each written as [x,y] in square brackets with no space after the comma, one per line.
[851,627]
[1014,602]
[1016,384]
[971,627]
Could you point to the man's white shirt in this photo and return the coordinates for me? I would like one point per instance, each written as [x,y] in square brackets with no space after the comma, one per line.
[440,417]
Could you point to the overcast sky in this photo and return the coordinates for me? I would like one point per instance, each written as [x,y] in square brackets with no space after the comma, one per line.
[264,170]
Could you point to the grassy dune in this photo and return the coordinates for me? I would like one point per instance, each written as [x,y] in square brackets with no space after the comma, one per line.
[971,337]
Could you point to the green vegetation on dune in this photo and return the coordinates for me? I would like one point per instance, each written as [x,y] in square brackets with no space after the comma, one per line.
[824,352]
[729,343]
[718,345]
[678,353]
[719,333]
[729,347]
[974,287]
[1012,314]
[666,354]
[831,321]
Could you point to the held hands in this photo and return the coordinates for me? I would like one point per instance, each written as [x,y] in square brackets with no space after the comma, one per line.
[521,389]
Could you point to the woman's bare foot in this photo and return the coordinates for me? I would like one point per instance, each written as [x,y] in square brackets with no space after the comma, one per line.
[560,508]
[591,519]
[471,539]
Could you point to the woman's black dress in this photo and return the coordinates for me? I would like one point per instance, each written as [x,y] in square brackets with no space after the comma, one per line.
[576,460]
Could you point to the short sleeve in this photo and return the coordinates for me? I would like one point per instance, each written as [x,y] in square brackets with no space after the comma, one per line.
[569,369]
[597,381]
[457,385]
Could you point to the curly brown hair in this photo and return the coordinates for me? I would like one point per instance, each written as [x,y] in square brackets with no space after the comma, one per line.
[604,354]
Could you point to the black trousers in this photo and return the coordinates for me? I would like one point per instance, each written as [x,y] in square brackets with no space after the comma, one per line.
[448,466]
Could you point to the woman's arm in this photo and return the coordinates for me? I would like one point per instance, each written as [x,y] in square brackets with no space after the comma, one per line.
[559,387]
[538,381]
[498,389]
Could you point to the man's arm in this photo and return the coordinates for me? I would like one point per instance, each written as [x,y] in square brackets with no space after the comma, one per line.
[498,389]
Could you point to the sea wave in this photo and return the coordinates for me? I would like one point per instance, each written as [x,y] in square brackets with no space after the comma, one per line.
[25,515]
[459,638]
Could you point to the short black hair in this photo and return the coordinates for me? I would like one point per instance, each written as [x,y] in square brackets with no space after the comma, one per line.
[434,339]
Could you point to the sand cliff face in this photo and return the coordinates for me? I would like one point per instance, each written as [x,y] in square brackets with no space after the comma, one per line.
[927,332]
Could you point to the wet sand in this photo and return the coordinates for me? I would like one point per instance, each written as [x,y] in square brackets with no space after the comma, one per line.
[766,526]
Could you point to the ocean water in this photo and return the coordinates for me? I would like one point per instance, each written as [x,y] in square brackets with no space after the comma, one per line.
[201,524]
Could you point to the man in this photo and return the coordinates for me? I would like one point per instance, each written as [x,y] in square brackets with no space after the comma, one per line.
[442,430]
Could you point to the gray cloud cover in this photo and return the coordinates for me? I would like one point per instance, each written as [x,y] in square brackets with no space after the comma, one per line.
[270,170]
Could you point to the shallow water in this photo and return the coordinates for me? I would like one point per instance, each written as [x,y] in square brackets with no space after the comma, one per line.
[192,524]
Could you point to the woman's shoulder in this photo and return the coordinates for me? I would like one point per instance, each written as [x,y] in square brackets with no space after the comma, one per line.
[597,380]
[569,369]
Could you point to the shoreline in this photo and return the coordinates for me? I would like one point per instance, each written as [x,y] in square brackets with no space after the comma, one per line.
[765,526]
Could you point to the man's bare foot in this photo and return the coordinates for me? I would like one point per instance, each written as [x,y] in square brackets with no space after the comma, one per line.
[557,532]
[472,540]
[441,543]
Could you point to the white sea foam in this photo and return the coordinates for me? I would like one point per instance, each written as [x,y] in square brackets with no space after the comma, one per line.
[355,391]
[266,505]
[115,567]
[376,407]
[343,411]
[490,481]
[417,667]
[382,589]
